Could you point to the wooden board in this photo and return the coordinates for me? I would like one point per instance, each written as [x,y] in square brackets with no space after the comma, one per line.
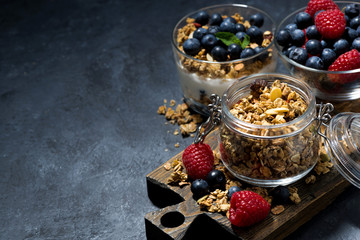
[181,218]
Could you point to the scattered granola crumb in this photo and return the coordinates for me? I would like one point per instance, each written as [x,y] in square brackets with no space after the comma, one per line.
[161,110]
[165,101]
[166,150]
[177,176]
[167,166]
[216,201]
[323,164]
[310,180]
[172,102]
[177,145]
[294,196]
[277,209]
[192,135]
[176,132]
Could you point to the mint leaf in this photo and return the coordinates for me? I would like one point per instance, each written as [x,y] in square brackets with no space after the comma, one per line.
[229,38]
[245,42]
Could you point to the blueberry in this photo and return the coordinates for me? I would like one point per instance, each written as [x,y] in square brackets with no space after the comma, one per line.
[347,20]
[247,52]
[299,55]
[219,53]
[202,17]
[326,44]
[283,38]
[227,27]
[328,56]
[291,27]
[257,19]
[358,30]
[350,34]
[280,195]
[341,46]
[234,51]
[261,50]
[313,47]
[255,34]
[356,44]
[240,35]
[240,28]
[303,20]
[352,10]
[232,190]
[297,37]
[215,19]
[286,51]
[200,33]
[355,22]
[213,29]
[209,41]
[315,62]
[216,179]
[312,32]
[192,46]
[199,188]
[230,19]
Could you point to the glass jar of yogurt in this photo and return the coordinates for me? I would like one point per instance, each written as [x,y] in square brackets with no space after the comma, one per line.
[272,136]
[200,75]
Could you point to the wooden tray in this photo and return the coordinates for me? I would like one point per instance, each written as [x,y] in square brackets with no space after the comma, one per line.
[181,218]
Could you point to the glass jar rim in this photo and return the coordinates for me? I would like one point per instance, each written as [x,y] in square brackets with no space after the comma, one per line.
[230,119]
[175,45]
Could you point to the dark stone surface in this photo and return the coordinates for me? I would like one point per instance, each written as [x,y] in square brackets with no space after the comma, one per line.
[80,83]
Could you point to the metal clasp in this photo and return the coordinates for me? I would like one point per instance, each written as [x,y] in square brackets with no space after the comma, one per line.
[324,117]
[212,121]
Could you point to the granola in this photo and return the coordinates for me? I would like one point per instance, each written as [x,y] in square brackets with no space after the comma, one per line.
[271,158]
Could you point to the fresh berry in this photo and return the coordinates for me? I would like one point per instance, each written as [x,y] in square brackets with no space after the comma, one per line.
[347,61]
[317,5]
[328,56]
[303,20]
[297,37]
[330,24]
[261,50]
[240,27]
[230,19]
[313,47]
[358,30]
[257,19]
[234,51]
[326,43]
[199,188]
[315,62]
[233,190]
[202,17]
[291,27]
[247,52]
[341,46]
[216,179]
[283,38]
[214,29]
[287,51]
[219,53]
[352,10]
[356,44]
[350,34]
[299,55]
[355,22]
[247,208]
[240,35]
[200,33]
[192,46]
[318,13]
[227,26]
[198,160]
[209,41]
[312,33]
[215,19]
[255,34]
[280,195]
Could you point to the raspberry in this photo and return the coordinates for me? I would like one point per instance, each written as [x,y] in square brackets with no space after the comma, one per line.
[198,160]
[347,61]
[331,23]
[247,208]
[317,5]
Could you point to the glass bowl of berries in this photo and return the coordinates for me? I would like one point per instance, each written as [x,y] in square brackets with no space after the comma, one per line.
[320,44]
[218,44]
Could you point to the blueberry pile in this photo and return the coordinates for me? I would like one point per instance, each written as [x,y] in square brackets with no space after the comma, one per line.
[301,41]
[225,38]
[214,180]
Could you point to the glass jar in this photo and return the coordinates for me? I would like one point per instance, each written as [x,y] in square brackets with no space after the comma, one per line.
[272,155]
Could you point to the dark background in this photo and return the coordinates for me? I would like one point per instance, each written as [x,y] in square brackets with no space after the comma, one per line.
[80,84]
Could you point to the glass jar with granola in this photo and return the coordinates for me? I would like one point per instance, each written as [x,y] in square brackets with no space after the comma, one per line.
[267,135]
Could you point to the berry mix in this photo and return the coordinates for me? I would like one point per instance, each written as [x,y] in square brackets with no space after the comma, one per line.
[324,37]
[226,37]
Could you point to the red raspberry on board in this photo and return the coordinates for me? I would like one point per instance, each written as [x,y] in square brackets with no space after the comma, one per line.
[317,5]
[247,208]
[198,160]
[347,61]
[331,23]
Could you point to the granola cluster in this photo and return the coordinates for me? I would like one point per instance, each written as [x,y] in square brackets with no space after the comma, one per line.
[272,158]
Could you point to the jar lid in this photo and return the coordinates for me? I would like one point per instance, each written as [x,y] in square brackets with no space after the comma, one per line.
[342,143]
